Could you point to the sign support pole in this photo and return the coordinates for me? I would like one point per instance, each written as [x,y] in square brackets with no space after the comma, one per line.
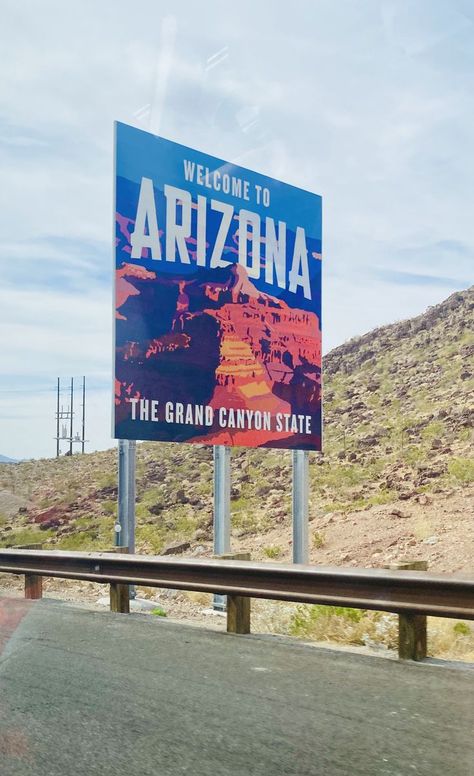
[132,447]
[221,510]
[125,525]
[300,506]
[121,526]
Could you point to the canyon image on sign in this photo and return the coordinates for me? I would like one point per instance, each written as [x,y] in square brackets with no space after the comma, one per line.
[217,300]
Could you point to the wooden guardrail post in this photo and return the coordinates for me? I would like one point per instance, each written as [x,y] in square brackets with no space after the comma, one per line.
[238,614]
[412,628]
[238,606]
[119,598]
[33,586]
[119,593]
[33,582]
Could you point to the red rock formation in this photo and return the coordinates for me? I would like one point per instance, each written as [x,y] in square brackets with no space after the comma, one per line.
[269,353]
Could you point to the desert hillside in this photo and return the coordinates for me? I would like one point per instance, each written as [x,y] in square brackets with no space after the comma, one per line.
[396,478]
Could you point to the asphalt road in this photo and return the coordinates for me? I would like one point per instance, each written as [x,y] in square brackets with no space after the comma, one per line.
[84,692]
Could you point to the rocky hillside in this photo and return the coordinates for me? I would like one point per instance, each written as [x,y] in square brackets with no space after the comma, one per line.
[396,477]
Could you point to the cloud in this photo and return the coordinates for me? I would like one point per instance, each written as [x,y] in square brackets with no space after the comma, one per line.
[448,262]
[369,105]
[49,332]
[414,279]
[52,261]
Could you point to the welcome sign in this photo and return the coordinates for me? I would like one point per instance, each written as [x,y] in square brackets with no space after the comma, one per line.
[217,300]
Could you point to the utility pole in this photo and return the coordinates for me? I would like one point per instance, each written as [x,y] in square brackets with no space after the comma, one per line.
[67,416]
[72,416]
[57,423]
[83,413]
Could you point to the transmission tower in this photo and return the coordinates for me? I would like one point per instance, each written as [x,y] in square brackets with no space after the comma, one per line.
[65,420]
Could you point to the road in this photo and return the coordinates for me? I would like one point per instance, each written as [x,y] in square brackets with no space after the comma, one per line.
[86,692]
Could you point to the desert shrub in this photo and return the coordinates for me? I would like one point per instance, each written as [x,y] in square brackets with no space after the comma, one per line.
[462,629]
[108,480]
[81,541]
[306,616]
[159,612]
[247,518]
[344,625]
[109,507]
[433,430]
[465,434]
[152,496]
[451,641]
[273,551]
[150,535]
[24,536]
[318,540]
[413,454]
[462,469]
[337,506]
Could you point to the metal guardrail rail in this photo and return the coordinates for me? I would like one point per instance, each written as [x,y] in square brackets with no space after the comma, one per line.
[412,592]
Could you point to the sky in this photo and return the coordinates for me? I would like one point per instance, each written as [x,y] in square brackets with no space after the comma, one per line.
[368,103]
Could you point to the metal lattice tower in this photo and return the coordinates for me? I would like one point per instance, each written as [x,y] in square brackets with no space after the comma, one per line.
[65,420]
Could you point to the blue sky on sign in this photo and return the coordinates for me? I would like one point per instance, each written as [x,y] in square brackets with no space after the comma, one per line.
[369,104]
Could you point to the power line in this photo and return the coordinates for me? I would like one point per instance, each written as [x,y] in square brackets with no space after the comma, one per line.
[94,387]
[27,390]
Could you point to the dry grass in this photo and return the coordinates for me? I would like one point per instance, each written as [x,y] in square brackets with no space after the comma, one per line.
[447,639]
[199,598]
[451,639]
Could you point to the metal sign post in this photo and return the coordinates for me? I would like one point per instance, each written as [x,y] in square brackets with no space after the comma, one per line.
[221,510]
[121,526]
[125,525]
[300,505]
[131,495]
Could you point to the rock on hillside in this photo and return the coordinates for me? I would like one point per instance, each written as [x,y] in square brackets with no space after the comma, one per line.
[396,470]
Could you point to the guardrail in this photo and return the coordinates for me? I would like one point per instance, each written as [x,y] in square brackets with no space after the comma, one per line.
[410,594]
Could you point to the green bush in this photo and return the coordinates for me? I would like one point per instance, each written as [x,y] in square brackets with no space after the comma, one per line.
[318,540]
[272,552]
[462,469]
[413,454]
[24,536]
[108,480]
[462,629]
[80,541]
[151,535]
[433,430]
[159,612]
[306,616]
